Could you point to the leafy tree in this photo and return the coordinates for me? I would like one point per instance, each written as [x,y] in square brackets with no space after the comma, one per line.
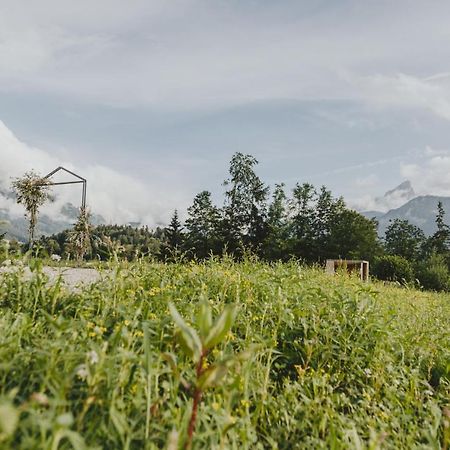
[393,268]
[32,191]
[302,213]
[245,204]
[275,244]
[353,236]
[202,225]
[433,273]
[404,239]
[326,216]
[439,242]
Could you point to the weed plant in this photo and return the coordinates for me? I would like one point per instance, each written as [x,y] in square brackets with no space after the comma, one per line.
[330,362]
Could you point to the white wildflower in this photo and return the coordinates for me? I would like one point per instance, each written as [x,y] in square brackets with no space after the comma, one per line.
[82,372]
[93,357]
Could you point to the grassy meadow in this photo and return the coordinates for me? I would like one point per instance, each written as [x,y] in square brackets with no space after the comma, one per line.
[311,361]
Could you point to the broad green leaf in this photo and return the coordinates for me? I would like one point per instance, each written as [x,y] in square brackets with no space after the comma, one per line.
[147,352]
[189,338]
[119,421]
[212,376]
[76,441]
[204,318]
[221,327]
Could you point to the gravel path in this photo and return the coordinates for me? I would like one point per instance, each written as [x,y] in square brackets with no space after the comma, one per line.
[72,277]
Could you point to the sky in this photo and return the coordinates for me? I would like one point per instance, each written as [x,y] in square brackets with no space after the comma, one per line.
[149,100]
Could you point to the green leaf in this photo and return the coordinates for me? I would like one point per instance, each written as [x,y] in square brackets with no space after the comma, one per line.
[76,441]
[211,376]
[221,327]
[119,421]
[204,318]
[147,352]
[189,339]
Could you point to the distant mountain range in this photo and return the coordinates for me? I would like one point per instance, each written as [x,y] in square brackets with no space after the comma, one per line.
[419,210]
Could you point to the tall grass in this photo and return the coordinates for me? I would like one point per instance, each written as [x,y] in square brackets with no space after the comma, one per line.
[334,363]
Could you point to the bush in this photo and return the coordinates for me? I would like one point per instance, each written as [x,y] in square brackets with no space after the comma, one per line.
[433,274]
[393,268]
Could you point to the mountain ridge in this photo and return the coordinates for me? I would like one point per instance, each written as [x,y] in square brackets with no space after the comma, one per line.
[420,211]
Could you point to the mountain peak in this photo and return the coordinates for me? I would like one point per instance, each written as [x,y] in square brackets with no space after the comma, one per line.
[403,190]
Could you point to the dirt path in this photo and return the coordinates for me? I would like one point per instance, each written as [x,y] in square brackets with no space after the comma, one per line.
[72,277]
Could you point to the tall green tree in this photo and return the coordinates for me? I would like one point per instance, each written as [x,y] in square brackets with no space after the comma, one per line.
[302,216]
[439,242]
[276,241]
[404,239]
[174,236]
[327,213]
[202,226]
[353,236]
[245,204]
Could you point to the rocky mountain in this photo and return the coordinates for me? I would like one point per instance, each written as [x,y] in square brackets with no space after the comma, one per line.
[395,198]
[418,210]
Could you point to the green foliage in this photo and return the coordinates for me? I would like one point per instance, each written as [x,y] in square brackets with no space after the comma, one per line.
[202,226]
[173,238]
[198,346]
[439,242]
[310,225]
[433,273]
[353,236]
[245,205]
[130,242]
[339,363]
[393,268]
[404,239]
[275,246]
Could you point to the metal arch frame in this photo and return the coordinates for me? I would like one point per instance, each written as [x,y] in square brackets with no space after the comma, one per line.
[81,180]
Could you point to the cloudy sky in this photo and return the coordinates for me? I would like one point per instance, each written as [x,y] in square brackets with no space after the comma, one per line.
[150,98]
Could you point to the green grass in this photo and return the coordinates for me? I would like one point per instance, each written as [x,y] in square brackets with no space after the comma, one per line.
[334,363]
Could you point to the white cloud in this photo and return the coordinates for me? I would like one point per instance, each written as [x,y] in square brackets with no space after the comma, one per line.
[406,91]
[431,176]
[369,181]
[191,53]
[117,197]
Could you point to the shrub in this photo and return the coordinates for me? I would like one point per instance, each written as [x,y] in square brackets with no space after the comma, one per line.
[393,268]
[433,274]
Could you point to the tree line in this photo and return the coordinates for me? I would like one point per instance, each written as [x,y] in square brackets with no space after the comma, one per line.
[306,223]
[276,224]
